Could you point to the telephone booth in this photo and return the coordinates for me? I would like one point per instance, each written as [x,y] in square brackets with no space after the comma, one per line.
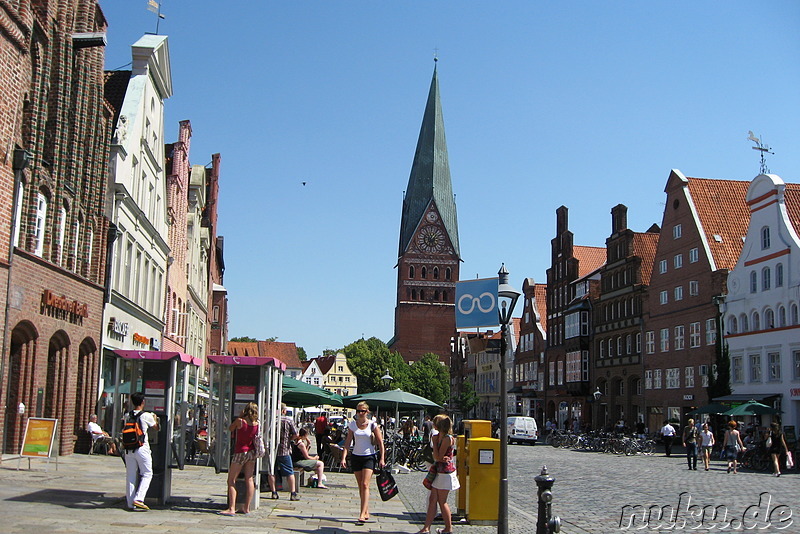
[235,381]
[169,382]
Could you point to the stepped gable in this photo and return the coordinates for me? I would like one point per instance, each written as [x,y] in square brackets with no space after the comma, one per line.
[723,216]
[644,246]
[589,258]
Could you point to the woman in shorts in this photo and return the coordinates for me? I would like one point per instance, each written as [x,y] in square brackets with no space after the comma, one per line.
[732,444]
[243,458]
[368,453]
[706,444]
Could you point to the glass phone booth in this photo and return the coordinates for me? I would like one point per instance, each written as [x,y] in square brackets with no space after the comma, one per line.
[235,381]
[168,381]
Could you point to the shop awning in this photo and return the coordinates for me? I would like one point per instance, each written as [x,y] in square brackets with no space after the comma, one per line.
[157,355]
[226,359]
[744,397]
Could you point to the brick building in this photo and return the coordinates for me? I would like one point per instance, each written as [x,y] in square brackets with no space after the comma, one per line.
[429,253]
[52,224]
[618,320]
[566,393]
[529,360]
[217,294]
[702,230]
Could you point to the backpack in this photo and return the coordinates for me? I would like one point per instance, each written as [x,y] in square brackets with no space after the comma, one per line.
[132,434]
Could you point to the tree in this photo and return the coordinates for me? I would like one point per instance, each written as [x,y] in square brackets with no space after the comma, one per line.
[468,399]
[243,339]
[430,379]
[369,359]
[301,354]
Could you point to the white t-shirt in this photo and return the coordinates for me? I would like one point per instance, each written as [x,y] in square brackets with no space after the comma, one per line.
[94,429]
[362,439]
[147,420]
[667,430]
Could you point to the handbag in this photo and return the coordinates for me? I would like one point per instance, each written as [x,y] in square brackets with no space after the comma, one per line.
[768,444]
[387,486]
[258,445]
[789,460]
[430,476]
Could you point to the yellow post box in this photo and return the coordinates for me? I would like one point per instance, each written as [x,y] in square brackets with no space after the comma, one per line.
[483,481]
[473,428]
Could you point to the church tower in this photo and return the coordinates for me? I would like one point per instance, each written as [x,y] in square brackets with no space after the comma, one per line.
[429,254]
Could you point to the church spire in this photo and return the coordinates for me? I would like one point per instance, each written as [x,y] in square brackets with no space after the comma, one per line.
[430,175]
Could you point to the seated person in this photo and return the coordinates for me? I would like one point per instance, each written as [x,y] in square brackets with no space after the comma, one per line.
[99,435]
[309,462]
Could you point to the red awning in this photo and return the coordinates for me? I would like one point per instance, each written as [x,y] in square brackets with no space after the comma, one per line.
[226,359]
[157,355]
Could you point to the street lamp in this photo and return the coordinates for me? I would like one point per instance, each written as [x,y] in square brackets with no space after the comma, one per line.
[507,298]
[597,394]
[387,380]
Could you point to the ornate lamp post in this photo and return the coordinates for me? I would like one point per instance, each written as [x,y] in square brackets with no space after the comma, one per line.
[597,394]
[387,380]
[507,299]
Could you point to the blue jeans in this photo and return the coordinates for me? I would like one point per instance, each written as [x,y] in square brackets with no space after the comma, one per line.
[691,455]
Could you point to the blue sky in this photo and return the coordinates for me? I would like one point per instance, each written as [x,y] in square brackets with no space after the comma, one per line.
[582,104]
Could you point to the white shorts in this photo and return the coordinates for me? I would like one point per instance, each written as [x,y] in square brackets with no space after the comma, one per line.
[446,481]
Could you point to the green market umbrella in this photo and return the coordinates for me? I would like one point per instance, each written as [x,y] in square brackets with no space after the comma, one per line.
[710,409]
[298,393]
[752,407]
[397,399]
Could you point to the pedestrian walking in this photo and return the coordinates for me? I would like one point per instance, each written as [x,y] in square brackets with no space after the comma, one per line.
[667,435]
[706,444]
[446,479]
[320,432]
[243,459]
[368,453]
[283,462]
[732,444]
[689,438]
[139,458]
[776,445]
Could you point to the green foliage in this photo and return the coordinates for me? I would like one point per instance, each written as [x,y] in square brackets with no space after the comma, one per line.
[301,354]
[719,378]
[330,352]
[244,339]
[430,379]
[467,399]
[369,359]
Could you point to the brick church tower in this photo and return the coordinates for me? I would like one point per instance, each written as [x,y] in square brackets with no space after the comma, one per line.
[429,255]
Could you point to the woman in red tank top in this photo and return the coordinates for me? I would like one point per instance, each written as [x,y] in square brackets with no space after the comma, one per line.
[243,457]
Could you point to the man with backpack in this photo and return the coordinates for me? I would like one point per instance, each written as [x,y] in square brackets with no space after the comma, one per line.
[138,458]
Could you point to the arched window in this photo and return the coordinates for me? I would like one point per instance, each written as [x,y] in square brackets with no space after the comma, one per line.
[766,279]
[628,344]
[447,274]
[779,275]
[421,294]
[602,348]
[793,314]
[769,318]
[756,321]
[732,325]
[38,230]
[445,296]
[765,238]
[62,232]
[436,295]
[413,294]
[435,273]
[411,271]
[781,316]
[619,346]
[744,323]
[424,272]
[610,348]
[753,282]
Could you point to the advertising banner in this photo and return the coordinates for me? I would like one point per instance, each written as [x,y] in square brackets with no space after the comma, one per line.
[39,437]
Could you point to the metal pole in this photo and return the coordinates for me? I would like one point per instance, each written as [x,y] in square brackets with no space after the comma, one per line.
[502,519]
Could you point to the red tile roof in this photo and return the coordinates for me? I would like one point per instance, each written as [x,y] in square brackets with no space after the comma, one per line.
[589,258]
[285,352]
[792,196]
[644,246]
[540,293]
[724,214]
[243,348]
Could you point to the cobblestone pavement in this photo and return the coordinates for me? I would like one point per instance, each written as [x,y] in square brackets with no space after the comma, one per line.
[590,491]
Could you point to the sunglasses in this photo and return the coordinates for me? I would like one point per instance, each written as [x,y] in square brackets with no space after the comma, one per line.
[362,411]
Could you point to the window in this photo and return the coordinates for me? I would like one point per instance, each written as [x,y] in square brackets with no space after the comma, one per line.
[560,372]
[610,348]
[424,272]
[779,275]
[765,238]
[711,331]
[89,244]
[552,374]
[18,215]
[663,298]
[648,379]
[411,271]
[638,343]
[619,345]
[664,339]
[796,364]
[755,368]
[650,342]
[679,337]
[435,273]
[733,327]
[62,230]
[662,266]
[756,322]
[657,379]
[793,314]
[737,372]
[744,323]
[694,255]
[765,279]
[774,366]
[676,231]
[753,282]
[688,376]
[694,288]
[621,389]
[673,378]
[679,293]
[447,273]
[769,318]
[781,316]
[76,245]
[215,314]
[41,215]
[704,376]
[694,335]
[677,261]
[628,344]
[602,348]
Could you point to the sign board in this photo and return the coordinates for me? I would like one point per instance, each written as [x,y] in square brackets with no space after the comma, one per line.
[486,456]
[40,434]
[476,303]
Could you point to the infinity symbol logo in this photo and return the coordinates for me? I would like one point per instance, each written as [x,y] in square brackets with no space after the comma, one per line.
[486,298]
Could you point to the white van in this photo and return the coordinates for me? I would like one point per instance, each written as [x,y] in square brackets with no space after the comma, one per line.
[522,430]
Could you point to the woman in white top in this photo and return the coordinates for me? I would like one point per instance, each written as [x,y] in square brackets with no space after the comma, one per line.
[366,454]
[706,444]
[443,445]
[732,444]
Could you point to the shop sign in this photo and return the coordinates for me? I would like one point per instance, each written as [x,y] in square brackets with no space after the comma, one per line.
[794,393]
[118,327]
[688,397]
[64,308]
[155,343]
[139,338]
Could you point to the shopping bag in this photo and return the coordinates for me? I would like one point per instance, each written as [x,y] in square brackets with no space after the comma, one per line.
[789,460]
[387,487]
[258,445]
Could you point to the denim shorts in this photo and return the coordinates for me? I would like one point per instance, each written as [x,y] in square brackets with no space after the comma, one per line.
[363,462]
[284,466]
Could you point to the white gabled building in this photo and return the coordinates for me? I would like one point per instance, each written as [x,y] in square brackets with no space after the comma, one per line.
[762,326]
[312,374]
[136,205]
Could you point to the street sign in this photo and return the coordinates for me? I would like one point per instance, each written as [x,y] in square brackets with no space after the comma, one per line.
[476,303]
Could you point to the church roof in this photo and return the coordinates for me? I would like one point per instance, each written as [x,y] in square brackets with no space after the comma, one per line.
[430,176]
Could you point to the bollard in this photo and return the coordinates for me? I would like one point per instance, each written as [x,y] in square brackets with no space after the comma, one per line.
[545,524]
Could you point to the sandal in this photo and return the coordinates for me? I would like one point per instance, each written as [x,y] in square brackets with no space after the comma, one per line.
[294,496]
[274,496]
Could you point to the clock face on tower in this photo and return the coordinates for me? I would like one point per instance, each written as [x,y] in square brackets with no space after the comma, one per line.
[430,239]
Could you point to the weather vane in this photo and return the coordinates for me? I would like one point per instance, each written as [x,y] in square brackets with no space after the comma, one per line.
[155,7]
[761,147]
